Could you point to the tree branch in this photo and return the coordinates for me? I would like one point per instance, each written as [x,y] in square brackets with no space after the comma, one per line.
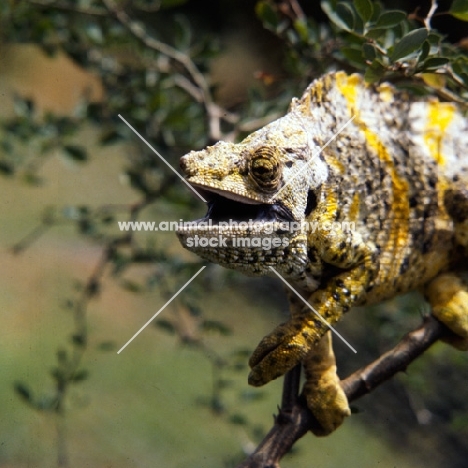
[293,422]
[430,14]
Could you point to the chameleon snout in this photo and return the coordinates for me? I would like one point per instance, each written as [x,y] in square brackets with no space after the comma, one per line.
[184,164]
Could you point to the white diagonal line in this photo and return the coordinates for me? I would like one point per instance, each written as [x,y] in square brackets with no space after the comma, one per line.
[312,309]
[315,155]
[162,159]
[161,309]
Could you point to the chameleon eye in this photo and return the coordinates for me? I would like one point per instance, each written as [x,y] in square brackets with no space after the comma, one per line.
[264,169]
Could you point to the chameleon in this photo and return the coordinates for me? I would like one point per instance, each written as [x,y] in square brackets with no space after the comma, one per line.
[383,179]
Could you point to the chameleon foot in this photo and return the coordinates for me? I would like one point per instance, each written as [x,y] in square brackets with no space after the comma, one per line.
[281,350]
[448,296]
[322,390]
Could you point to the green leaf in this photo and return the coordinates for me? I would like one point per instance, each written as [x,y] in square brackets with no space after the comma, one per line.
[409,44]
[165,325]
[464,77]
[106,346]
[62,357]
[267,14]
[80,375]
[79,340]
[300,26]
[58,374]
[23,107]
[31,178]
[369,51]
[171,3]
[374,72]
[346,13]
[391,18]
[425,49]
[434,38]
[460,67]
[94,112]
[94,33]
[375,33]
[333,16]
[433,63]
[182,33]
[215,325]
[6,146]
[364,8]
[23,391]
[76,153]
[131,286]
[6,168]
[377,7]
[353,55]
[238,419]
[110,137]
[225,383]
[459,9]
[252,395]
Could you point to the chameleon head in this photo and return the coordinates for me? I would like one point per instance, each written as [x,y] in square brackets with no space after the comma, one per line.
[259,193]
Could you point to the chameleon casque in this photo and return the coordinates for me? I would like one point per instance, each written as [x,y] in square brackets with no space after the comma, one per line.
[398,171]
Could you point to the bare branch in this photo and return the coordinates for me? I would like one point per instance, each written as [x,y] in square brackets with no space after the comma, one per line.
[293,423]
[396,360]
[430,14]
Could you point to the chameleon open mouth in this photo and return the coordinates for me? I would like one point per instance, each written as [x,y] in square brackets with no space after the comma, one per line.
[221,208]
[245,235]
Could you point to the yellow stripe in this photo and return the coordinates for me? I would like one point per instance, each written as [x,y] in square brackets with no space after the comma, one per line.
[439,117]
[354,208]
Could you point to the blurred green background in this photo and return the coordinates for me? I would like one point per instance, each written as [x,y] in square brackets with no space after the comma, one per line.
[164,402]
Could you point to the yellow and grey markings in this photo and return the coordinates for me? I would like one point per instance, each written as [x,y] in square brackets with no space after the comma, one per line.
[439,117]
[349,87]
[354,208]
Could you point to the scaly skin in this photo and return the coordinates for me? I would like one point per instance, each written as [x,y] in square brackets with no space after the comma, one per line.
[398,171]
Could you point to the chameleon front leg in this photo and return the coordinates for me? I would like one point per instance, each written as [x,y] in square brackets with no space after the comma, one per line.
[296,340]
[290,342]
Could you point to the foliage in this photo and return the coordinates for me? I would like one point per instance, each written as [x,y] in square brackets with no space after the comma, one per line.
[382,44]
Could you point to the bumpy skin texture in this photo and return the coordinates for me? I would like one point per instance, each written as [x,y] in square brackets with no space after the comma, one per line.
[398,171]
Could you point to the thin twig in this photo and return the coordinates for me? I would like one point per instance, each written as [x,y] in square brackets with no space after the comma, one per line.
[430,14]
[291,384]
[30,238]
[296,8]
